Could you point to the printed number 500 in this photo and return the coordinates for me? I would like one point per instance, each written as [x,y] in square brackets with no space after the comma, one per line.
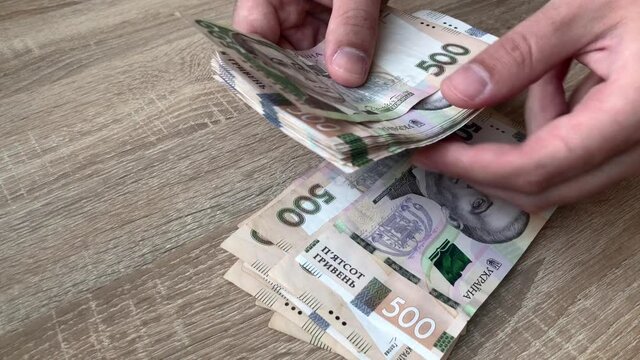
[409,317]
[309,205]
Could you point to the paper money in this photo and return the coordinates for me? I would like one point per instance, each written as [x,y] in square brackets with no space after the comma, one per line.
[349,145]
[497,134]
[412,58]
[455,24]
[270,297]
[263,252]
[312,314]
[323,195]
[261,255]
[285,326]
[442,234]
[328,310]
[332,310]
[388,300]
[386,262]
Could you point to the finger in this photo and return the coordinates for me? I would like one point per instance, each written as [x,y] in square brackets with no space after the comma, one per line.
[320,35]
[351,39]
[320,11]
[587,184]
[257,17]
[587,83]
[285,44]
[519,58]
[546,98]
[304,37]
[325,3]
[601,127]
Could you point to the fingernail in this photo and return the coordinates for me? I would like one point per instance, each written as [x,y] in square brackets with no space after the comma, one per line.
[352,62]
[470,82]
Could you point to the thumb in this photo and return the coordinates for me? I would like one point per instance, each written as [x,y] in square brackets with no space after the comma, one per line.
[518,59]
[351,39]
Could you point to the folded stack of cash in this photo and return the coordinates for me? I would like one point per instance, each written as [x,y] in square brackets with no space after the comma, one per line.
[399,107]
[388,261]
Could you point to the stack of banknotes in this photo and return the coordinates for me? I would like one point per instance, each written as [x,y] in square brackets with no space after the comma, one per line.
[368,256]
[398,108]
[388,262]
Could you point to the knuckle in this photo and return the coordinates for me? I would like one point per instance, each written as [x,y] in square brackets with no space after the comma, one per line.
[520,49]
[517,51]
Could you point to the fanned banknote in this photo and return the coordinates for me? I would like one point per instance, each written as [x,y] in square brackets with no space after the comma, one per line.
[263,250]
[270,296]
[287,327]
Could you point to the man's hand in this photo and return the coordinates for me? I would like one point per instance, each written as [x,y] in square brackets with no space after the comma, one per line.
[576,147]
[350,26]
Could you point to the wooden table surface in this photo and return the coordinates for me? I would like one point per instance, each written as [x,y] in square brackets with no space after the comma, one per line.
[123,165]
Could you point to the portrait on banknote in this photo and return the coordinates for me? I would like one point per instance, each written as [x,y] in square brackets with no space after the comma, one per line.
[482,218]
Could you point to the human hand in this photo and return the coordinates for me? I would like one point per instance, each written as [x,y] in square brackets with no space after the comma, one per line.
[575,147]
[350,26]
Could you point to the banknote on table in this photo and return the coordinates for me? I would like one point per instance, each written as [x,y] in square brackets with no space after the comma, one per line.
[287,327]
[283,325]
[376,291]
[263,252]
[323,316]
[284,222]
[329,313]
[268,294]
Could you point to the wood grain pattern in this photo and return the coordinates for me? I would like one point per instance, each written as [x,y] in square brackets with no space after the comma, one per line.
[123,165]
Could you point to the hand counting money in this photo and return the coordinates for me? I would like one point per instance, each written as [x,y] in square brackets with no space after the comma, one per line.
[412,59]
[368,256]
[293,91]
